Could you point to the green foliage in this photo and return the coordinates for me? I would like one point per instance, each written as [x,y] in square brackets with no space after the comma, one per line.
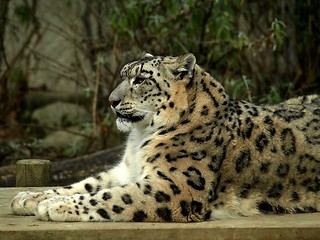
[24,13]
[72,149]
[278,28]
[241,87]
[215,31]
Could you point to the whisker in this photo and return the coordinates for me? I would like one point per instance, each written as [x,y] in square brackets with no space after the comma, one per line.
[145,110]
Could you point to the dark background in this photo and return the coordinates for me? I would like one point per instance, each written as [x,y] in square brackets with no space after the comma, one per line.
[261,51]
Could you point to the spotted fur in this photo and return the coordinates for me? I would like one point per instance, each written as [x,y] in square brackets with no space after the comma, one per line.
[193,154]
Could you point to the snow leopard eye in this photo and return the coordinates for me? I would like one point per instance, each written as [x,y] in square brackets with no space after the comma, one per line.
[138,80]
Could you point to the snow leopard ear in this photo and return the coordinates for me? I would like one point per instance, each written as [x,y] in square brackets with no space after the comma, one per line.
[146,55]
[184,66]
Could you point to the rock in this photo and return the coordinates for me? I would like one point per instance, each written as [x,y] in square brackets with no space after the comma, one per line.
[61,114]
[63,140]
[39,99]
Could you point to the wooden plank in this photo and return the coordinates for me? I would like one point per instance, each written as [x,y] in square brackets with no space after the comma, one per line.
[296,226]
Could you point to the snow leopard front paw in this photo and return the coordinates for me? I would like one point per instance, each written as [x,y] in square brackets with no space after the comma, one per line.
[25,203]
[59,209]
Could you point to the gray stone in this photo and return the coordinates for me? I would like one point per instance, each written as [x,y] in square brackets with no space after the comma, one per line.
[63,140]
[61,114]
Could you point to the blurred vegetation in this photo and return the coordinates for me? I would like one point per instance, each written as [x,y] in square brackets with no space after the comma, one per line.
[262,51]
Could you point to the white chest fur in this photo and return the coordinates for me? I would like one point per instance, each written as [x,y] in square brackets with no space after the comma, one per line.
[130,168]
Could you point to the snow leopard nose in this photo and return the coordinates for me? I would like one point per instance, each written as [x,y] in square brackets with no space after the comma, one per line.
[114,99]
[118,94]
[114,103]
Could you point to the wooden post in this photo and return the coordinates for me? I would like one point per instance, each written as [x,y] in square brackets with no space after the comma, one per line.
[33,173]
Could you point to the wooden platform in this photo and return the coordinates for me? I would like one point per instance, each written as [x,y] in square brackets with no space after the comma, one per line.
[298,226]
